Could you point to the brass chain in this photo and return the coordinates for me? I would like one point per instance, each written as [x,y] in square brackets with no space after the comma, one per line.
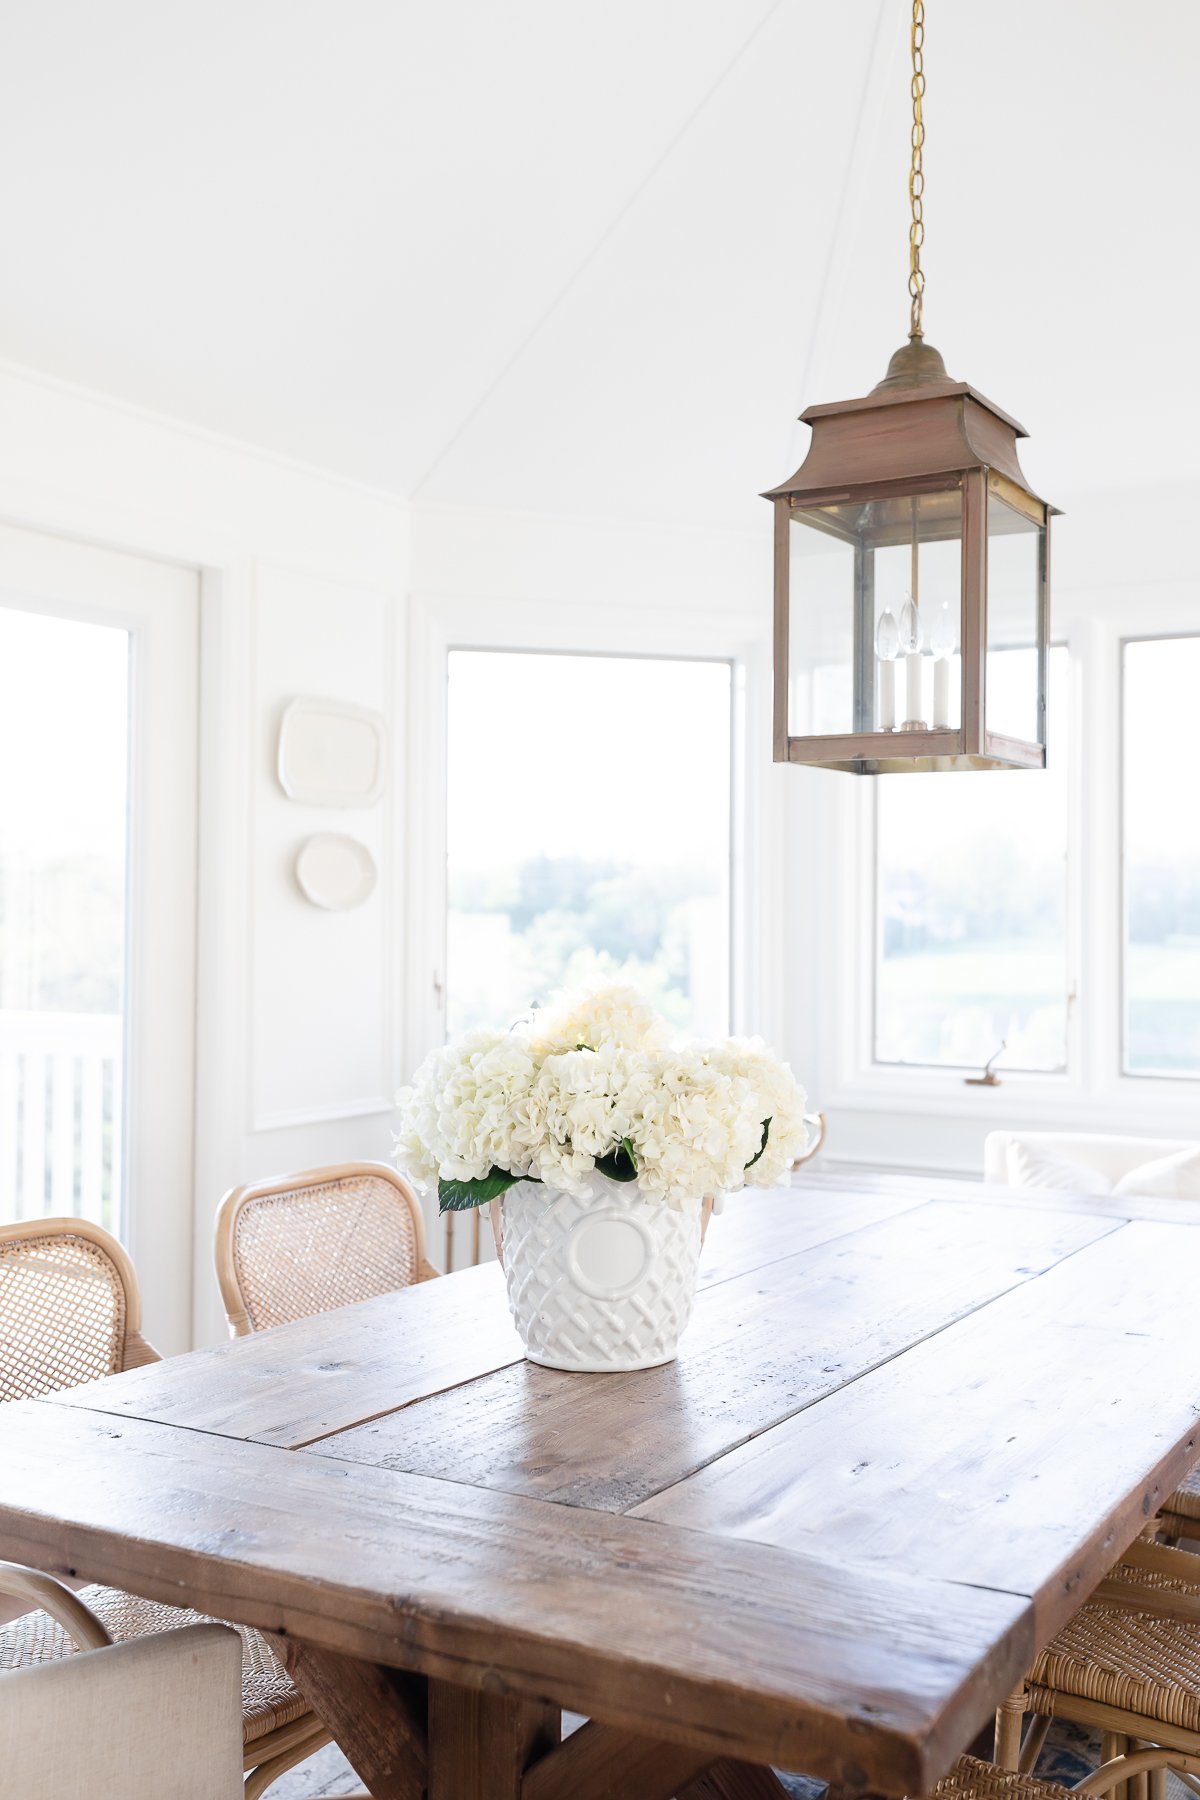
[916,174]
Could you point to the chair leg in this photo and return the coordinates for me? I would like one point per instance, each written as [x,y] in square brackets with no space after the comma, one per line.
[1158,1784]
[1010,1715]
[1035,1737]
[259,1779]
[1113,1744]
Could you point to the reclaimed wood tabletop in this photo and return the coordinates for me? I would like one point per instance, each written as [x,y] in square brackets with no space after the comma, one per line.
[911,1426]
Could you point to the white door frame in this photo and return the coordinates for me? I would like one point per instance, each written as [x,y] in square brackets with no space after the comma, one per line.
[157,603]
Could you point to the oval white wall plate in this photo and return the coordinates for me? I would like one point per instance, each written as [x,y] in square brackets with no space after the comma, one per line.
[335,872]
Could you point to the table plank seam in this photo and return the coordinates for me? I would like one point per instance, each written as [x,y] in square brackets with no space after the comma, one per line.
[871,1369]
[449,1387]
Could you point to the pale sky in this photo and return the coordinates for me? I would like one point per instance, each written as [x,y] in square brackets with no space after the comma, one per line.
[1162,701]
[63,735]
[591,756]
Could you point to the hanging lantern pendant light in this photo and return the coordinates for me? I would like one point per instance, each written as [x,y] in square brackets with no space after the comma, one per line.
[910,533]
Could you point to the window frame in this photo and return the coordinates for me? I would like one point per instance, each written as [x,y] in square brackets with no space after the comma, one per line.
[440,623]
[963,1070]
[892,1116]
[1158,1076]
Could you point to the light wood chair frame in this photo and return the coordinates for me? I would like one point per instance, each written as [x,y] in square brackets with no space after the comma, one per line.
[1137,1748]
[276,1751]
[237,1199]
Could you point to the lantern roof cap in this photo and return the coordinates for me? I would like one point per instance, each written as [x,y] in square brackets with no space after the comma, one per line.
[916,372]
[943,428]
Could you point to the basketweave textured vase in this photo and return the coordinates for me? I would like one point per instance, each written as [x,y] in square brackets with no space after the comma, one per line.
[600,1284]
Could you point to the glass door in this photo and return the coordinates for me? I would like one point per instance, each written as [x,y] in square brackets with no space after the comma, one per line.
[98,677]
[64,908]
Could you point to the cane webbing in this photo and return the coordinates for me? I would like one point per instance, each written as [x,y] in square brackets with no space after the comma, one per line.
[62,1314]
[311,1249]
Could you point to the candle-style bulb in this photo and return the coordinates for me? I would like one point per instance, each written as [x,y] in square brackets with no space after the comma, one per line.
[910,627]
[943,639]
[887,636]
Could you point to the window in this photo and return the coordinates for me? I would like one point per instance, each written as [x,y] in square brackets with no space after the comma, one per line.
[971,903]
[64,751]
[588,832]
[1161,833]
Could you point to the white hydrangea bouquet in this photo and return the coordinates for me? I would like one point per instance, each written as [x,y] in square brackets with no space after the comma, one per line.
[604,1139]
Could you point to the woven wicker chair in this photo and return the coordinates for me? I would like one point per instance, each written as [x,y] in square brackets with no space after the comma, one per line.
[1128,1664]
[1180,1516]
[971,1779]
[70,1312]
[302,1244]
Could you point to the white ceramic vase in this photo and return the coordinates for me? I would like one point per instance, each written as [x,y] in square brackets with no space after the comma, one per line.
[600,1284]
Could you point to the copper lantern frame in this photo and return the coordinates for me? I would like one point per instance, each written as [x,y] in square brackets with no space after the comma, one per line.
[917,434]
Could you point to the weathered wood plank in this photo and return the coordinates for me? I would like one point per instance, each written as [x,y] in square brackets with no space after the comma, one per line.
[598,1763]
[870,1679]
[301,1382]
[1025,1447]
[481,1743]
[297,1382]
[861,1183]
[376,1714]
[760,1226]
[760,1347]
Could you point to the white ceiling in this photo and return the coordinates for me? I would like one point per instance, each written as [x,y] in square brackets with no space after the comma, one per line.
[544,254]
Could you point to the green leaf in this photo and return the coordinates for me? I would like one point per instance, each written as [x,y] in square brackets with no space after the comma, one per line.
[762,1146]
[460,1196]
[620,1164]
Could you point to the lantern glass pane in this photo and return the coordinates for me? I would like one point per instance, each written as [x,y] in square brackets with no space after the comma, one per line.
[1014,623]
[861,658]
[821,630]
[928,679]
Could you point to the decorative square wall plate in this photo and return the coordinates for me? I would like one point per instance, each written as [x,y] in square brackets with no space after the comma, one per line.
[335,872]
[332,753]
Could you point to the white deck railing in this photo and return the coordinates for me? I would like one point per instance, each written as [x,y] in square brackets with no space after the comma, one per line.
[60,1116]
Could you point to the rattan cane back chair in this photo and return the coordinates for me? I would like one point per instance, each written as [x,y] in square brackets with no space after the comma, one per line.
[71,1312]
[1128,1665]
[302,1244]
[70,1309]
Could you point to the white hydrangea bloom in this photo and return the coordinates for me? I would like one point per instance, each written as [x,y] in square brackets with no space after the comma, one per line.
[595,1016]
[461,1116]
[532,1102]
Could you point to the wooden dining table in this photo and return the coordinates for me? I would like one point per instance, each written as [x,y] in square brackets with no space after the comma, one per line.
[910,1427]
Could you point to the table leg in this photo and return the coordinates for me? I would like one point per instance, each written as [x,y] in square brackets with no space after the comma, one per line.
[480,1744]
[376,1714]
[729,1780]
[411,1740]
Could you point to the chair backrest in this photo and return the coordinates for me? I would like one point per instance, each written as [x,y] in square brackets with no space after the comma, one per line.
[70,1308]
[161,1715]
[302,1244]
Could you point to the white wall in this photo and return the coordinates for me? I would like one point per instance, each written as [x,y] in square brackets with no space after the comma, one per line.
[307,1022]
[299,1012]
